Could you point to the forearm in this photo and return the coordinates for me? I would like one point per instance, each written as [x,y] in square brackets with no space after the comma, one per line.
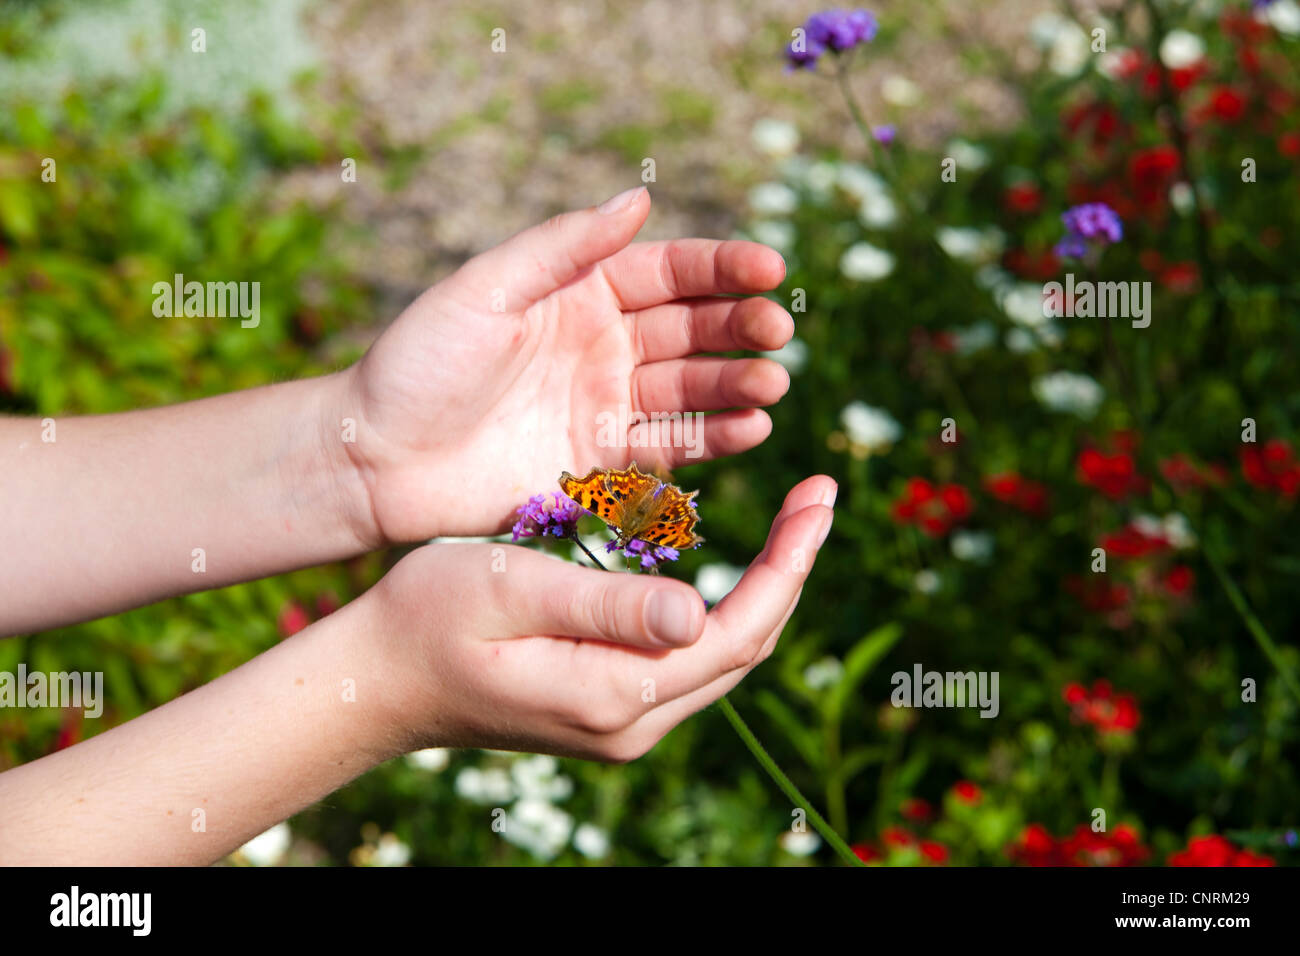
[198,777]
[121,510]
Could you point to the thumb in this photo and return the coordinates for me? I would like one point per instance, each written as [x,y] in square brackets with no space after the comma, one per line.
[567,600]
[537,261]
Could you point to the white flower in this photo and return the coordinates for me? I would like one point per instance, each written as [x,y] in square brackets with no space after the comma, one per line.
[793,355]
[1180,49]
[539,827]
[824,673]
[773,199]
[974,546]
[1181,198]
[1173,527]
[926,582]
[1069,392]
[1111,64]
[1021,341]
[878,211]
[969,244]
[858,181]
[816,177]
[715,581]
[591,841]
[491,786]
[1284,15]
[800,844]
[537,778]
[993,277]
[899,91]
[269,848]
[1023,303]
[1063,39]
[775,137]
[866,263]
[391,851]
[779,235]
[973,338]
[968,155]
[434,759]
[871,428]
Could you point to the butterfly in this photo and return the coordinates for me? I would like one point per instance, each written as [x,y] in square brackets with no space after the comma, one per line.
[637,506]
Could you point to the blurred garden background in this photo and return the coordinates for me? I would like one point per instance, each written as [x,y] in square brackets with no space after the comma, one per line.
[914,176]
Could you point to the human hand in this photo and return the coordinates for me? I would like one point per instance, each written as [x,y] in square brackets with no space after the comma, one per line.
[494,380]
[506,648]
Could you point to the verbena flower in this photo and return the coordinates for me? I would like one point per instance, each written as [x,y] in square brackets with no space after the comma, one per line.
[537,520]
[833,30]
[1087,226]
[885,134]
[648,554]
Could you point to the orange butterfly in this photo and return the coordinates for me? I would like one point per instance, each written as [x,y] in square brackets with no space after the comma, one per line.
[637,506]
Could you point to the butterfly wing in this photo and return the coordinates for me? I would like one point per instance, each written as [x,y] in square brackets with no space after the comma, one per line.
[636,505]
[672,523]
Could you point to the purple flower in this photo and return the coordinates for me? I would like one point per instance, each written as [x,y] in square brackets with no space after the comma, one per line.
[834,30]
[537,521]
[885,135]
[649,554]
[1093,224]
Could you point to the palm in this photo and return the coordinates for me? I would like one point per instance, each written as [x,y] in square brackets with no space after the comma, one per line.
[488,386]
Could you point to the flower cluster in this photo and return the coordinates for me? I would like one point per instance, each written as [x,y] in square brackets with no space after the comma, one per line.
[1088,226]
[1272,467]
[537,520]
[1020,493]
[1105,710]
[1216,851]
[1120,847]
[935,509]
[833,31]
[650,555]
[1113,471]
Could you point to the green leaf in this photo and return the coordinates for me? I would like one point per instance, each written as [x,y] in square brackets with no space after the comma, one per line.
[859,662]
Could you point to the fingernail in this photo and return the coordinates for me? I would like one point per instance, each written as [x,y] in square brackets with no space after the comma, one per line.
[828,496]
[620,202]
[668,617]
[826,529]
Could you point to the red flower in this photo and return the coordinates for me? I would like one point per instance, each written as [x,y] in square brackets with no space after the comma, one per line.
[1034,847]
[896,837]
[1151,171]
[1131,541]
[1115,476]
[6,372]
[1099,122]
[934,852]
[292,619]
[1227,105]
[1108,712]
[916,810]
[967,792]
[935,510]
[1288,144]
[1022,197]
[326,604]
[1216,851]
[1183,278]
[1097,594]
[1021,493]
[1186,475]
[1272,467]
[1179,580]
[1120,847]
[865,852]
[1043,264]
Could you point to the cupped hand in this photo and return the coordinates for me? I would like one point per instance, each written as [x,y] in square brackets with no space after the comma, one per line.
[525,362]
[506,648]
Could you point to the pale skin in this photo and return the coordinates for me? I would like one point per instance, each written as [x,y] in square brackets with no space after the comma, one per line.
[477,396]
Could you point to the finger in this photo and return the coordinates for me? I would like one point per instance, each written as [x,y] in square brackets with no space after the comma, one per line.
[544,596]
[684,328]
[651,273]
[743,622]
[691,438]
[537,261]
[706,383]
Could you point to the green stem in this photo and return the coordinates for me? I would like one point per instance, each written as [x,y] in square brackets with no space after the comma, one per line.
[787,786]
[1253,624]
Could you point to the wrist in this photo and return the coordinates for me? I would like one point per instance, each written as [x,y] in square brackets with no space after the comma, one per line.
[353,476]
